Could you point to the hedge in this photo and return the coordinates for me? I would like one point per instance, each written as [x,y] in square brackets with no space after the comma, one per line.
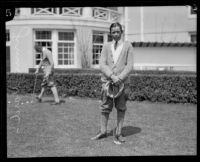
[164,88]
[95,71]
[155,88]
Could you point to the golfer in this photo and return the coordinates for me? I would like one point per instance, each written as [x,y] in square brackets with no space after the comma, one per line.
[116,63]
[48,66]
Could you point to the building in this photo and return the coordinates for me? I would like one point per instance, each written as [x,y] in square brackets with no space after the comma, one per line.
[169,36]
[75,35]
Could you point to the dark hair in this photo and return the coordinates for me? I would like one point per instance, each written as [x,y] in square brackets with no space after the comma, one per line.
[38,46]
[114,25]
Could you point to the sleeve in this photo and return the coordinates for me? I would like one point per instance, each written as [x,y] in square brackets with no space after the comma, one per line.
[129,66]
[50,58]
[103,62]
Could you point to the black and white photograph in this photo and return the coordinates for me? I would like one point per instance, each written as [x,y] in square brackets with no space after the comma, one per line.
[101,81]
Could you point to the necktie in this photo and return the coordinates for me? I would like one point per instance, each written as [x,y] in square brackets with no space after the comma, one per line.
[115,45]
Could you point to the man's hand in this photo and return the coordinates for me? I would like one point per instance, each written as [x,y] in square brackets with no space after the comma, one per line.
[116,79]
[47,74]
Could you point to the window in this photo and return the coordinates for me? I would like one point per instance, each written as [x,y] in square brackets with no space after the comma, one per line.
[65,48]
[43,35]
[192,11]
[98,40]
[7,35]
[42,38]
[109,38]
[193,37]
[17,11]
[164,68]
[61,43]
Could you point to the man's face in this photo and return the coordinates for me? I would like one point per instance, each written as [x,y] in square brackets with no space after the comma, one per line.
[38,48]
[116,33]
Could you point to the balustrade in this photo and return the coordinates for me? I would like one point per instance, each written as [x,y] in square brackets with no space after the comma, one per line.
[98,13]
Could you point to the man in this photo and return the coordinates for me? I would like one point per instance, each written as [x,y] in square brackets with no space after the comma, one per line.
[116,63]
[48,67]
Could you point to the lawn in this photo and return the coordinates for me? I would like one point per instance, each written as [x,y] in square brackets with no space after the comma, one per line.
[43,130]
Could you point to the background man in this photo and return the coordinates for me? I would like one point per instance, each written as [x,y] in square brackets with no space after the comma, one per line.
[47,65]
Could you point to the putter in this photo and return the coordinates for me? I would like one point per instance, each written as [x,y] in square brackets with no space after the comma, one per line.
[34,87]
[113,112]
[114,131]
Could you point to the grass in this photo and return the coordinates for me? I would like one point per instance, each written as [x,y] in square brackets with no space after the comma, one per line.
[42,130]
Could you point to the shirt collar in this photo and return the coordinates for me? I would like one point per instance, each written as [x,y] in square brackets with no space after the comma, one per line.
[119,42]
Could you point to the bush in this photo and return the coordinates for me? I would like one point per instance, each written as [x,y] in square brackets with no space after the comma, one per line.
[83,85]
[137,72]
[155,88]
[164,88]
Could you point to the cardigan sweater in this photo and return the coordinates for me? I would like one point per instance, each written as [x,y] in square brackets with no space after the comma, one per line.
[123,66]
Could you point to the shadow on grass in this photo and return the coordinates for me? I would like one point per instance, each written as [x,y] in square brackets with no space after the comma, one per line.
[127,131]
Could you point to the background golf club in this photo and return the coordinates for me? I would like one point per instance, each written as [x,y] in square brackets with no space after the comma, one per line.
[34,87]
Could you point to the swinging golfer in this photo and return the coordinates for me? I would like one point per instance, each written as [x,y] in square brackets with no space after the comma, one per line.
[116,63]
[48,66]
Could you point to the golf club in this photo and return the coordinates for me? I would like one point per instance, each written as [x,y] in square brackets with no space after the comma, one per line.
[113,112]
[34,87]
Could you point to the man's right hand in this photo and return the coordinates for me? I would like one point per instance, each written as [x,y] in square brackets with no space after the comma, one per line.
[115,79]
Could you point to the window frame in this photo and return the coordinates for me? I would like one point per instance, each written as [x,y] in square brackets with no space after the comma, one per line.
[190,36]
[66,41]
[105,39]
[40,40]
[7,36]
[54,46]
[190,15]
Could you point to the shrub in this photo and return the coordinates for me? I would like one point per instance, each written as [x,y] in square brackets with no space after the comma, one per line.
[137,72]
[164,88]
[155,88]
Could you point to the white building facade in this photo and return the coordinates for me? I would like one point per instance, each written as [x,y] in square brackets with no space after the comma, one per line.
[76,35]
[70,33]
[171,31]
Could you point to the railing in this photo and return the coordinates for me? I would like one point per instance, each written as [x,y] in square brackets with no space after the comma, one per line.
[99,13]
[105,14]
[71,11]
[43,11]
[64,11]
